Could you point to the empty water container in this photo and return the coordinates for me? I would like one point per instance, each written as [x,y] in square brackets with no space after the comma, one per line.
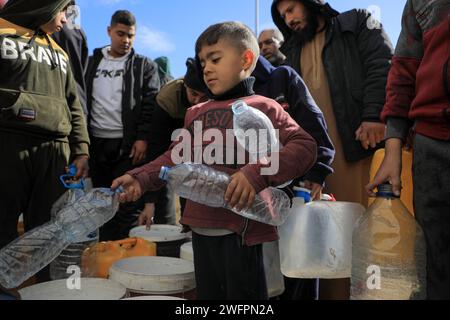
[79,215]
[316,240]
[389,255]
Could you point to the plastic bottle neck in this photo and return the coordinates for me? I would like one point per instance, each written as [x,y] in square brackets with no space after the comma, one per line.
[385,191]
[303,193]
[164,173]
[239,107]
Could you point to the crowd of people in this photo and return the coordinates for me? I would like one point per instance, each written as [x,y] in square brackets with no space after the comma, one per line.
[330,82]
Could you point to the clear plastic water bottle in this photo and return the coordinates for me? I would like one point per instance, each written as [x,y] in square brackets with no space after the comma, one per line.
[389,253]
[71,256]
[249,122]
[255,133]
[207,186]
[79,215]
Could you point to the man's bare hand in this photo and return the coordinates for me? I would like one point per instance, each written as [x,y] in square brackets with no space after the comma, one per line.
[370,134]
[146,216]
[139,152]
[82,165]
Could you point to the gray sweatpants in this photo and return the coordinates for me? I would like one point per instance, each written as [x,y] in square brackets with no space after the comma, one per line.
[432,209]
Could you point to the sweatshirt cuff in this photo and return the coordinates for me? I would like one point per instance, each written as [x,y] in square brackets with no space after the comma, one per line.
[79,149]
[397,128]
[142,136]
[141,176]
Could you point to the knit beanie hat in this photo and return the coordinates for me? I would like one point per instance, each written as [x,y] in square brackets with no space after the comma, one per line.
[192,77]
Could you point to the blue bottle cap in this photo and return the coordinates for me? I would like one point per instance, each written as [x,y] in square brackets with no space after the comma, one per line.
[385,191]
[302,193]
[120,190]
[164,173]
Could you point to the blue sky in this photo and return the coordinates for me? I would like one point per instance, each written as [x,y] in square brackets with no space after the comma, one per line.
[170,28]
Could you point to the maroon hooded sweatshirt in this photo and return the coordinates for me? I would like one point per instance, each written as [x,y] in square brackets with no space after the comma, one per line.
[297,156]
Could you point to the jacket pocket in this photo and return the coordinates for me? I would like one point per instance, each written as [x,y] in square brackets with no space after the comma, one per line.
[35,112]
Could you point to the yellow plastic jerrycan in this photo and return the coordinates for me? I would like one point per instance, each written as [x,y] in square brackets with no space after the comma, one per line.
[407,182]
[97,260]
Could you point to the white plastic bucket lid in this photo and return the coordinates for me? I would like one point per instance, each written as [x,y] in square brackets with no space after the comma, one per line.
[154,275]
[90,289]
[186,252]
[158,233]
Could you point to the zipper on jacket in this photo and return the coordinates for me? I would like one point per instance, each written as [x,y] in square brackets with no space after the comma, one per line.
[244,231]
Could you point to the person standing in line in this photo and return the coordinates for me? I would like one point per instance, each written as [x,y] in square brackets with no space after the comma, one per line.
[418,100]
[121,89]
[344,59]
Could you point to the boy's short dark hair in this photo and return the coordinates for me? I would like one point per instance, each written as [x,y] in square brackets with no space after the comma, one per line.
[123,17]
[238,34]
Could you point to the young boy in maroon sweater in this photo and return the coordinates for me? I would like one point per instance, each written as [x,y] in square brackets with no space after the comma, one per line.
[227,247]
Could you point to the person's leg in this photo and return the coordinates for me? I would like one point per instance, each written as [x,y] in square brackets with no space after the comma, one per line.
[432,210]
[244,270]
[300,289]
[48,162]
[208,262]
[105,159]
[103,155]
[127,215]
[16,183]
[334,289]
[165,207]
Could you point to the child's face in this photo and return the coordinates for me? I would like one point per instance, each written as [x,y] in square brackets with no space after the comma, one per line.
[195,97]
[223,66]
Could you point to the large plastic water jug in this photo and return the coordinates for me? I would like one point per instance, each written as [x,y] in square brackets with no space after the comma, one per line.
[389,254]
[316,240]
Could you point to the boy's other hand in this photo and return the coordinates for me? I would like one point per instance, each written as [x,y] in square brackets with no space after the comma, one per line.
[146,216]
[132,188]
[240,193]
[139,152]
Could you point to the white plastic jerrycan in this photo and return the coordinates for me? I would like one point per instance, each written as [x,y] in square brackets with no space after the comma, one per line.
[316,239]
